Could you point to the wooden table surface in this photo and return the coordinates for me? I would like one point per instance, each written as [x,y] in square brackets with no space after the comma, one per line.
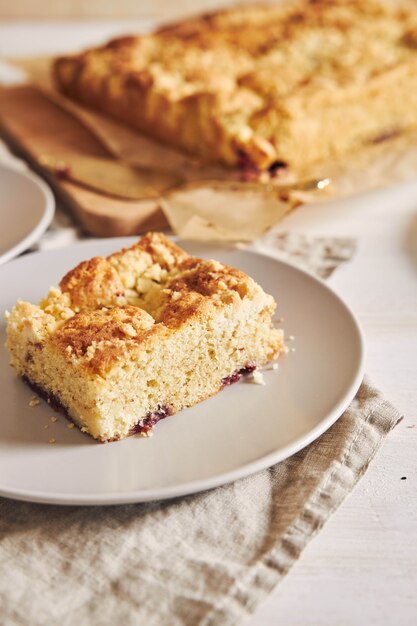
[362,568]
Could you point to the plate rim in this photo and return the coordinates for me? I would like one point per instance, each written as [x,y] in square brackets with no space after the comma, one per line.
[201,485]
[44,222]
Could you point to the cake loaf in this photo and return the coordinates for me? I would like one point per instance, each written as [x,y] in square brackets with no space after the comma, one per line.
[261,86]
[129,339]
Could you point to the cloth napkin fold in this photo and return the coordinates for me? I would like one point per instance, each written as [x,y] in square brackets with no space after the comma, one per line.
[203,560]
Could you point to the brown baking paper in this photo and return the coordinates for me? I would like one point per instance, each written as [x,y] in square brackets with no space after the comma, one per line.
[212,213]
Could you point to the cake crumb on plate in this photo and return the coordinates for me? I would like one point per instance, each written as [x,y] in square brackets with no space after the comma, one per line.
[258,378]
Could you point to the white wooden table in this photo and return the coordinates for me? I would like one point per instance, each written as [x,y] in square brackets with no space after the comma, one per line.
[362,568]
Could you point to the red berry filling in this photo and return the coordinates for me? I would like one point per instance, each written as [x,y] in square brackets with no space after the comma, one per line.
[145,425]
[233,378]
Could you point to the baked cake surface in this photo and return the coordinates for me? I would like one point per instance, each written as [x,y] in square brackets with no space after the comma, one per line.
[263,85]
[134,337]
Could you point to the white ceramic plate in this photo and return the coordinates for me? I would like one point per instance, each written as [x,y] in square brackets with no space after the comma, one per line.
[26,209]
[241,430]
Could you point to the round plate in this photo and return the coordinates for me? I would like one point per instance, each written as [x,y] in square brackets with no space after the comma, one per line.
[243,429]
[26,210]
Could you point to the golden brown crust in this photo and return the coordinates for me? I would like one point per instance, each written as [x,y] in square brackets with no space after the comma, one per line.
[92,284]
[162,250]
[209,278]
[102,326]
[252,84]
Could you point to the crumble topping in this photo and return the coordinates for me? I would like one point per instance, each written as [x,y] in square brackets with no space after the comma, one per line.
[106,306]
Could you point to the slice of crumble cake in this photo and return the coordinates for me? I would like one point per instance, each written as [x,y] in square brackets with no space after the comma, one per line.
[129,339]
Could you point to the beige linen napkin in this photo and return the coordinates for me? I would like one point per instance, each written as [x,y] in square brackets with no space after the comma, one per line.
[203,560]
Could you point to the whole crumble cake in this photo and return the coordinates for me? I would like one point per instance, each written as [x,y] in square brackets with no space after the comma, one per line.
[129,339]
[262,86]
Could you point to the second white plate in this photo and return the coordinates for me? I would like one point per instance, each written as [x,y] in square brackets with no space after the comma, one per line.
[241,430]
[26,209]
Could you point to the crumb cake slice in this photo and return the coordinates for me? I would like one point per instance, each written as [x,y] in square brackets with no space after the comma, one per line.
[129,339]
[267,85]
